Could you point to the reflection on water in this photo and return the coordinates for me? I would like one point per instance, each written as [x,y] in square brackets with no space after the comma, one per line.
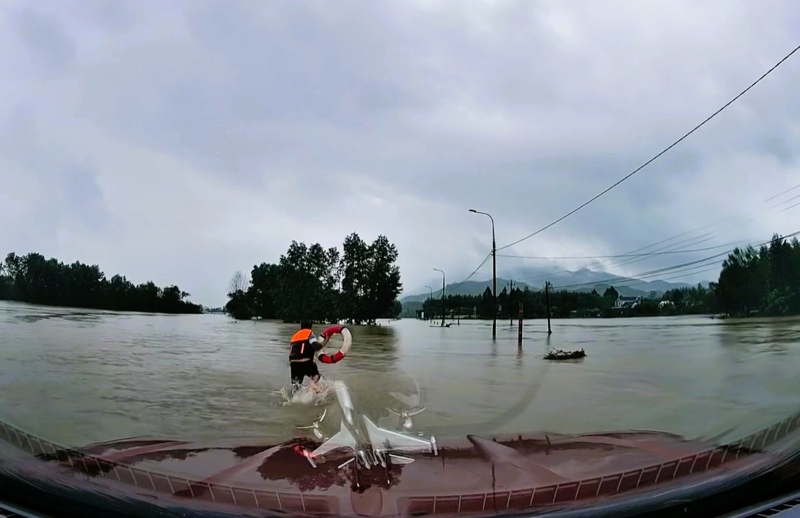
[78,376]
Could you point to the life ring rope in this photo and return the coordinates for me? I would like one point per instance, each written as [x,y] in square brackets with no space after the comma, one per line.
[347,341]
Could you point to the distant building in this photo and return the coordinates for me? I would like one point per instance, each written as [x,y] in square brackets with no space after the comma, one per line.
[627,302]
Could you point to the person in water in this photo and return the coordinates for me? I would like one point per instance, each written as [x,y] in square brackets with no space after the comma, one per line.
[303,348]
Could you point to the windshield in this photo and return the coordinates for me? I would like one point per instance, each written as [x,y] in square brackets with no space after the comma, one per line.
[388,260]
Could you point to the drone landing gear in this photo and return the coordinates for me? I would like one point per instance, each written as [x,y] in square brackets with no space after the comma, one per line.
[355,468]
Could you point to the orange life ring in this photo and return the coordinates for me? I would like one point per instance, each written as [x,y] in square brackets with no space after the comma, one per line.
[342,352]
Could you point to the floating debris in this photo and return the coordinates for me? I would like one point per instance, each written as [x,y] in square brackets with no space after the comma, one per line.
[558,354]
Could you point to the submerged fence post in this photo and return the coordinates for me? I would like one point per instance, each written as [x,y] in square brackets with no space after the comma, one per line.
[547,302]
[519,329]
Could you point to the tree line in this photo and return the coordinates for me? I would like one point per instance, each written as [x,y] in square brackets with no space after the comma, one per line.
[763,281]
[766,280]
[34,279]
[359,284]
[562,304]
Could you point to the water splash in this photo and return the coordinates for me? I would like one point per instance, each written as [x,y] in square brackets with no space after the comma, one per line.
[312,394]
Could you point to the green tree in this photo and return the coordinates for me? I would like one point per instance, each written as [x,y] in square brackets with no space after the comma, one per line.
[32,278]
[742,281]
[395,311]
[239,304]
[298,289]
[486,303]
[324,267]
[355,269]
[563,303]
[360,284]
[763,280]
[383,278]
[611,293]
[502,302]
[264,283]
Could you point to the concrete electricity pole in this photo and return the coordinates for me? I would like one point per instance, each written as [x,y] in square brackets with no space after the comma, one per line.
[494,273]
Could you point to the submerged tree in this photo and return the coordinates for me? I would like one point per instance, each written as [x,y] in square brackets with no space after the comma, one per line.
[764,280]
[238,304]
[312,282]
[32,278]
[371,278]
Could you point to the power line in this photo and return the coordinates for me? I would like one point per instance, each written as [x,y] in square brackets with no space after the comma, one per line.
[744,217]
[646,254]
[679,267]
[683,268]
[705,268]
[785,201]
[790,207]
[642,167]
[647,274]
[633,255]
[473,272]
[698,240]
[629,175]
[550,276]
[708,269]
[623,262]
[784,192]
[673,247]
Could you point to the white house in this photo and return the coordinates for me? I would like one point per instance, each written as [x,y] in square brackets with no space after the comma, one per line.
[627,302]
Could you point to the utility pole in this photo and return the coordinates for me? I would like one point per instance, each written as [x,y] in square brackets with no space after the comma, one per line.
[443,286]
[547,303]
[494,273]
[510,300]
[430,299]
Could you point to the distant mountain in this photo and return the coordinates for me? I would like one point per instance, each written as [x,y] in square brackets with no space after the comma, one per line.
[581,280]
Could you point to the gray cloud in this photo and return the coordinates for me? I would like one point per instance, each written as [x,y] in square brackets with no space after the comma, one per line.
[44,39]
[176,141]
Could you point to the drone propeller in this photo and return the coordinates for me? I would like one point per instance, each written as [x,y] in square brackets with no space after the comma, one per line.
[415,402]
[315,425]
[410,401]
[406,415]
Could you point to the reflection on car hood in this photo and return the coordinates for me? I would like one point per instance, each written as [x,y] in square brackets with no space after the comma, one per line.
[471,474]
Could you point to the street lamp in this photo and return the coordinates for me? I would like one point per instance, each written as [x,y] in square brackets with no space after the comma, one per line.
[494,273]
[443,277]
[431,293]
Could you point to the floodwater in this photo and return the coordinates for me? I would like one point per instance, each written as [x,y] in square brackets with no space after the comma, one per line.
[80,376]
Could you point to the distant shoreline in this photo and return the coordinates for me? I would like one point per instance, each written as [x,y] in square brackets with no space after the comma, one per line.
[711,316]
[45,305]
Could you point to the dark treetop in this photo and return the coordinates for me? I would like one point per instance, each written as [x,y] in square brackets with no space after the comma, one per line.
[359,285]
[32,278]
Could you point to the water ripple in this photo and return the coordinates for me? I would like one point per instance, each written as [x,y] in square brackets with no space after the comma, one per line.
[78,376]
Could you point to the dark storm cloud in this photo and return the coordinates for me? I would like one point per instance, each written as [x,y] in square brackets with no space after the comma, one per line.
[195,127]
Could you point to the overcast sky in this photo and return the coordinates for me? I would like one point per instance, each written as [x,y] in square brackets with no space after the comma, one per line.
[181,141]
